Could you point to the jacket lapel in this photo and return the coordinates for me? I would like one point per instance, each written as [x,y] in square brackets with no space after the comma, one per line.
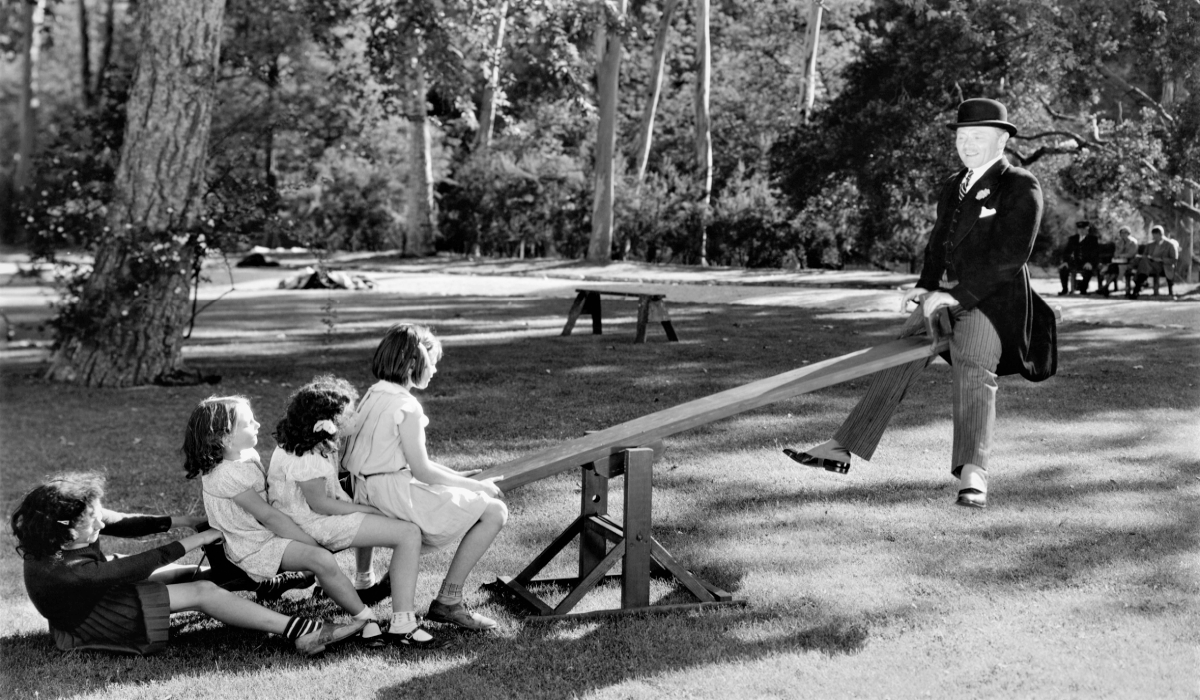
[972,203]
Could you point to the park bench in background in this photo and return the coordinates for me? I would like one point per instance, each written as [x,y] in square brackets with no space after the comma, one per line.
[651,307]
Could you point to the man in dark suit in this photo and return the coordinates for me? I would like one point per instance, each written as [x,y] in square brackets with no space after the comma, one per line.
[1080,256]
[975,267]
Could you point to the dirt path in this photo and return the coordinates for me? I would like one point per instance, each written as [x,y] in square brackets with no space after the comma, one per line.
[26,300]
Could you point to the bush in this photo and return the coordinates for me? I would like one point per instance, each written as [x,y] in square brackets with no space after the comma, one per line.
[496,201]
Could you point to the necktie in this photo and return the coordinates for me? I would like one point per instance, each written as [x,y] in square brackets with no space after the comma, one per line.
[964,185]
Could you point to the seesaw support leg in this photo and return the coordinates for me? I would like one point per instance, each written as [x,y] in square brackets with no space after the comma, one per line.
[639,494]
[641,555]
[593,501]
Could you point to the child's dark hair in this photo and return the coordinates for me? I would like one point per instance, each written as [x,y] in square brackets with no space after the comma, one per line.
[405,353]
[203,441]
[322,399]
[43,521]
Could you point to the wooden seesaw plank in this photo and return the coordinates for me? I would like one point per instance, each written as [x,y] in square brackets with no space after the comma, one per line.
[655,426]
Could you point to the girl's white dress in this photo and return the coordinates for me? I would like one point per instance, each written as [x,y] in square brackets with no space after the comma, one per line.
[333,532]
[384,480]
[254,548]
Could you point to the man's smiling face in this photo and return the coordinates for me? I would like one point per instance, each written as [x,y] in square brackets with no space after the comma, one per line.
[979,144]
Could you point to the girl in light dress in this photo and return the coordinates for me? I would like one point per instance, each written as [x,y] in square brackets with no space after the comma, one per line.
[303,484]
[385,451]
[124,604]
[218,447]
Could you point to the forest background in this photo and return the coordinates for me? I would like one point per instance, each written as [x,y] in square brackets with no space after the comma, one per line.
[479,127]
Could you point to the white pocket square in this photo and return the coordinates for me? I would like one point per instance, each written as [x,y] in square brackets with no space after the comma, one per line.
[984,212]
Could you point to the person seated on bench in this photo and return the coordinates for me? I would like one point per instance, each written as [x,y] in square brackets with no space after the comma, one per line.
[1080,256]
[1125,252]
[1158,260]
[1001,326]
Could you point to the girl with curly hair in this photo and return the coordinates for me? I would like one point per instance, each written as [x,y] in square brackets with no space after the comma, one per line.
[124,604]
[303,483]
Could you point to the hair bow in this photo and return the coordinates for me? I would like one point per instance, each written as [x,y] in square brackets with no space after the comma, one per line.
[326,425]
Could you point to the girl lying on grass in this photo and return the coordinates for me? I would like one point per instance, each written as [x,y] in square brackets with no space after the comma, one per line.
[385,452]
[124,604]
[218,447]
[303,484]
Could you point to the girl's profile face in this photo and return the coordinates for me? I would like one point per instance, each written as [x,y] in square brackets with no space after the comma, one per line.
[244,433]
[426,376]
[87,528]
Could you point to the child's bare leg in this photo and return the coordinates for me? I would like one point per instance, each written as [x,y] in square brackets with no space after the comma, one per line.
[177,573]
[404,539]
[303,557]
[222,605]
[309,635]
[362,562]
[473,545]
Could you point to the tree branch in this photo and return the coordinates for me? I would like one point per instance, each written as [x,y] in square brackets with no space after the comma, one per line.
[1041,153]
[1137,93]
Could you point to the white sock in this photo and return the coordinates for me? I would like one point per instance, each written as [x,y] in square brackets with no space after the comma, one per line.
[371,629]
[406,621]
[364,580]
[973,477]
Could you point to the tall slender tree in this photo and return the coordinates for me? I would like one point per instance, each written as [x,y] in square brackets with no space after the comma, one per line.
[658,60]
[704,160]
[487,109]
[600,243]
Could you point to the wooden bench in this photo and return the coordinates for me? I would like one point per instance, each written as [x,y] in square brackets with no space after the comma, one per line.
[651,307]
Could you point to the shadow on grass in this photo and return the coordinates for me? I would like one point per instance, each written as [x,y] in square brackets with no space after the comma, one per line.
[576,658]
[34,667]
[534,660]
[500,396]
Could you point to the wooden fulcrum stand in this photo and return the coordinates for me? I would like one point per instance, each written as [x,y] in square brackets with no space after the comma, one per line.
[641,555]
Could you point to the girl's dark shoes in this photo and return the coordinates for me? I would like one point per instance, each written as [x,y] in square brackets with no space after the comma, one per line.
[274,587]
[401,639]
[458,614]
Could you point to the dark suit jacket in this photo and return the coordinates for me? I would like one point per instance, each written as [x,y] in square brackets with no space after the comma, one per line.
[984,243]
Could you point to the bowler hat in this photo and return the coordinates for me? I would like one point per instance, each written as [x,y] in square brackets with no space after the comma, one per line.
[980,111]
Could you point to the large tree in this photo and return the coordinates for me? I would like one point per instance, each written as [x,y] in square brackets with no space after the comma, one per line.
[124,323]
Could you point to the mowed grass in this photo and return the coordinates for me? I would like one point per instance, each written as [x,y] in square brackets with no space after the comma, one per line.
[1080,580]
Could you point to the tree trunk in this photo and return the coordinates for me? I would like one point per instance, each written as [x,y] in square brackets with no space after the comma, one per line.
[703,122]
[1189,246]
[126,326]
[106,46]
[487,111]
[422,224]
[31,20]
[812,38]
[269,132]
[657,63]
[85,57]
[600,244]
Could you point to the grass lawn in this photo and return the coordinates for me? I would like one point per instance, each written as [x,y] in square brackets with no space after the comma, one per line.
[1079,581]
